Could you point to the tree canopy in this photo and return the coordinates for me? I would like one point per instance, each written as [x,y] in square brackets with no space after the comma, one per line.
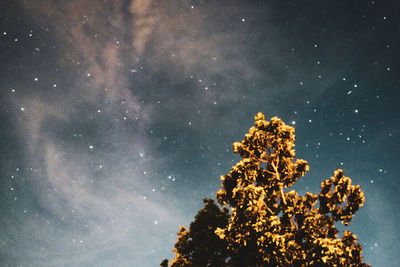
[267,225]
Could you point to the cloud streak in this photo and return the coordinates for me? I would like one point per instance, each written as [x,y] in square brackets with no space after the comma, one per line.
[88,141]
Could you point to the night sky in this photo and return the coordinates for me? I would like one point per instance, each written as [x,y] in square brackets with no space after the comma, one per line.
[118,117]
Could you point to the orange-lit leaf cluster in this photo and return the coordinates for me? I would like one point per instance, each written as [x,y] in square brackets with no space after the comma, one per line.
[269,225]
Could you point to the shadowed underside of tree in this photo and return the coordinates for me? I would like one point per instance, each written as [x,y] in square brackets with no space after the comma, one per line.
[266,224]
[200,246]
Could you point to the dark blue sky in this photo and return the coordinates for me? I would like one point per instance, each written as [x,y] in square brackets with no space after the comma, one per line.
[118,117]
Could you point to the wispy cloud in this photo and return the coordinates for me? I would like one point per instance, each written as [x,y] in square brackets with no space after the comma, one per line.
[91,177]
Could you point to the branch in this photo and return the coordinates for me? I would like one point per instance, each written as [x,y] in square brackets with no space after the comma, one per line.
[293,222]
[283,195]
[262,160]
[278,176]
[269,210]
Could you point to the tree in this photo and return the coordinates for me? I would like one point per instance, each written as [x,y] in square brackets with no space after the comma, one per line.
[164,263]
[268,226]
[200,246]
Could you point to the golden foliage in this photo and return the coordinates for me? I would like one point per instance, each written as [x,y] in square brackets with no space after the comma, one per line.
[270,227]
